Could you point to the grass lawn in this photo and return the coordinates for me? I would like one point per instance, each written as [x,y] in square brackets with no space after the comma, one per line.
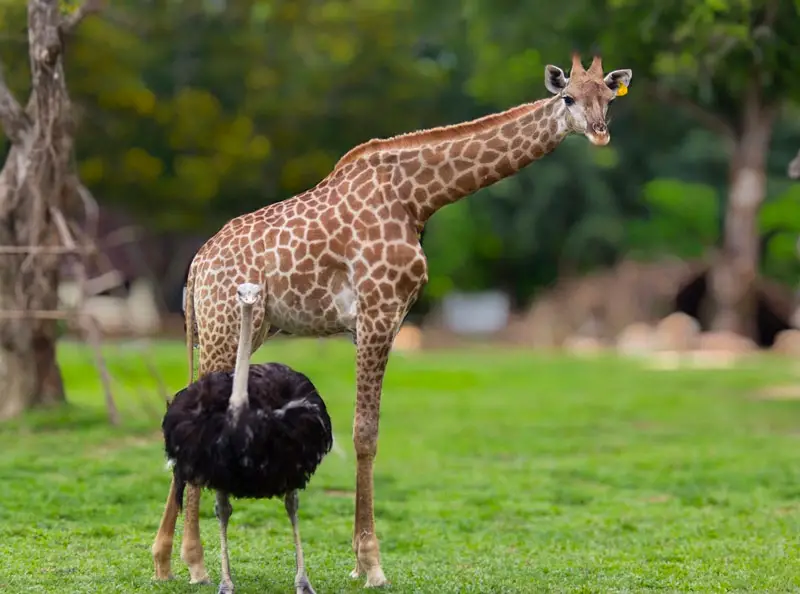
[496,472]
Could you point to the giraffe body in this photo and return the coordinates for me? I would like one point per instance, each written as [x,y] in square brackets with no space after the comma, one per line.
[345,256]
[314,269]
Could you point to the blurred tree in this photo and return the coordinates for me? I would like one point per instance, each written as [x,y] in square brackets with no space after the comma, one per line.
[794,167]
[192,112]
[229,106]
[38,188]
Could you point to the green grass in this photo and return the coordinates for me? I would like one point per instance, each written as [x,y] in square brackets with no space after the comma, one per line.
[497,472]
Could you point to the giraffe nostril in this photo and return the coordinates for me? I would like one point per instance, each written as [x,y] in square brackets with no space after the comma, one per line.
[600,128]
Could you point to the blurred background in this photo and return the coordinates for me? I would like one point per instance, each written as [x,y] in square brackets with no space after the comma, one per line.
[190,112]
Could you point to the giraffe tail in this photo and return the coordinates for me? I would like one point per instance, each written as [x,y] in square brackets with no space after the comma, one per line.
[188,316]
[180,488]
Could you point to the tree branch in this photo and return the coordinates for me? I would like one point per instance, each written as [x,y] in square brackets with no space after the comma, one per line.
[12,118]
[794,167]
[702,115]
[70,22]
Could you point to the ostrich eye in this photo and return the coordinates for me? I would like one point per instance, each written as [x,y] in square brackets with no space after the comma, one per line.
[569,100]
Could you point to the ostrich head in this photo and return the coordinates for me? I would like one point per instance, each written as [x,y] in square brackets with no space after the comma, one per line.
[248,293]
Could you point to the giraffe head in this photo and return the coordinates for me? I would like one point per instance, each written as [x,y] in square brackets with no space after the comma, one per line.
[248,293]
[586,95]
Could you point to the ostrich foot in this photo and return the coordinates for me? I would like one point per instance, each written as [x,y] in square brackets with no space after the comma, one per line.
[303,586]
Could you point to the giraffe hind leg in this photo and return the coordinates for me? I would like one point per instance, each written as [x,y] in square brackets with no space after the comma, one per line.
[162,547]
[191,545]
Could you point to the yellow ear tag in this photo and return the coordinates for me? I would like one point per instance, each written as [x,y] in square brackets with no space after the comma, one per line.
[622,90]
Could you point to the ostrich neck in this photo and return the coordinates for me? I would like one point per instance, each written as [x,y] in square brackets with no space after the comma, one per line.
[241,370]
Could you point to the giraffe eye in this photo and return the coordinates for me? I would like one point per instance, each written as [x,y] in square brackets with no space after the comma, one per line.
[569,100]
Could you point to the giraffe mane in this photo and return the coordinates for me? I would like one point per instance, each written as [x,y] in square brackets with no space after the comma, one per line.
[421,138]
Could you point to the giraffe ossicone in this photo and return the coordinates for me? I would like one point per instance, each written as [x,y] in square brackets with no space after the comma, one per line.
[345,257]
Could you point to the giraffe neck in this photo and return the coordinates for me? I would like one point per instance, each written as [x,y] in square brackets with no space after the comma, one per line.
[442,170]
[241,370]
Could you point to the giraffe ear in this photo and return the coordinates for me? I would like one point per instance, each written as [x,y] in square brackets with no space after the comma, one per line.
[554,79]
[619,81]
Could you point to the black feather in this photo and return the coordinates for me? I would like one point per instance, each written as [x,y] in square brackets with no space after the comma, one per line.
[269,451]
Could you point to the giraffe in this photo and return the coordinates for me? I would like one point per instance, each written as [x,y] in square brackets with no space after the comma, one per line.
[345,257]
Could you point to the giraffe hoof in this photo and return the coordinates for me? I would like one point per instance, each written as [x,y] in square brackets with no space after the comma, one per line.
[198,575]
[163,571]
[358,571]
[163,578]
[225,588]
[376,579]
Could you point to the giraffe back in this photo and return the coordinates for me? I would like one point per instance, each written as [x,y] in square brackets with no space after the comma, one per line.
[313,253]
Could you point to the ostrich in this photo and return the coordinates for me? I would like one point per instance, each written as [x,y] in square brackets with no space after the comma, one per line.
[259,432]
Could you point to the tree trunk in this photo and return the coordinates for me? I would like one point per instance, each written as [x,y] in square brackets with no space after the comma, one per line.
[735,270]
[794,167]
[36,179]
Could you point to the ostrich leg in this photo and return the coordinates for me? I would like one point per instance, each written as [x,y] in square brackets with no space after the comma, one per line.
[301,583]
[223,511]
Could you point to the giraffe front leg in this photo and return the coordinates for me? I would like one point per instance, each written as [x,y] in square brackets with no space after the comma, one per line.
[373,354]
[191,545]
[358,571]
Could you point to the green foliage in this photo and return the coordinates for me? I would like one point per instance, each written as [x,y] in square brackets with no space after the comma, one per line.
[779,221]
[683,219]
[189,116]
[461,246]
[782,212]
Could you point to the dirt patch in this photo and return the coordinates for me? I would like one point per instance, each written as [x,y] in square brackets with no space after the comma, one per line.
[698,359]
[663,498]
[785,392]
[339,493]
[132,441]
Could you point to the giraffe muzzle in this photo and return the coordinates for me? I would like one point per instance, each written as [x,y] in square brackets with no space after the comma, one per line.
[598,134]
